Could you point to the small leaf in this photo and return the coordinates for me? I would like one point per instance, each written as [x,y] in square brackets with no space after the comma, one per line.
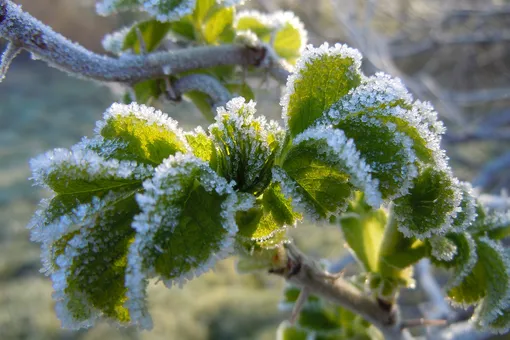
[184,29]
[186,225]
[149,134]
[286,331]
[256,22]
[322,76]
[463,261]
[202,8]
[467,208]
[245,146]
[363,230]
[147,91]
[217,23]
[265,225]
[202,146]
[430,206]
[152,32]
[290,36]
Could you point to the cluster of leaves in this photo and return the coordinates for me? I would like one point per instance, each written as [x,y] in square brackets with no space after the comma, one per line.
[143,199]
[176,24]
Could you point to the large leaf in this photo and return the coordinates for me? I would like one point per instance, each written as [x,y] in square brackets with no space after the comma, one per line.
[323,167]
[149,134]
[430,206]
[187,223]
[388,152]
[322,76]
[91,262]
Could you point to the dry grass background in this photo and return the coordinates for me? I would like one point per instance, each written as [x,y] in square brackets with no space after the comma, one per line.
[42,108]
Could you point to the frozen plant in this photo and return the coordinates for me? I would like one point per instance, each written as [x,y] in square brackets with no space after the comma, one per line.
[142,199]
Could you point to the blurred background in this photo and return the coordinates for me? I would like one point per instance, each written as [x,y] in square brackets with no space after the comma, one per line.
[454,53]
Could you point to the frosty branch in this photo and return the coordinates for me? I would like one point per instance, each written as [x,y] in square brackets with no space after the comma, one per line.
[27,33]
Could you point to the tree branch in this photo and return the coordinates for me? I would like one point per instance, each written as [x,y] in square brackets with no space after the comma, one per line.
[307,274]
[28,33]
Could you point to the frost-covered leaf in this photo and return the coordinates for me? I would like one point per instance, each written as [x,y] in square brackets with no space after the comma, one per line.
[162,10]
[246,146]
[322,76]
[290,37]
[256,22]
[488,283]
[265,224]
[187,223]
[282,30]
[386,151]
[91,262]
[494,224]
[464,259]
[149,134]
[320,172]
[80,170]
[442,248]
[152,32]
[386,99]
[430,206]
[114,42]
[467,208]
[363,230]
[202,146]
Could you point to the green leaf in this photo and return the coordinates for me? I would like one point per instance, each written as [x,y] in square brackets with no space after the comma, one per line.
[363,230]
[463,261]
[286,331]
[202,9]
[152,32]
[467,213]
[91,263]
[314,185]
[187,223]
[147,91]
[184,28]
[203,103]
[202,146]
[149,134]
[288,42]
[323,168]
[245,145]
[255,22]
[386,151]
[497,275]
[83,171]
[489,280]
[217,23]
[430,206]
[322,76]
[265,225]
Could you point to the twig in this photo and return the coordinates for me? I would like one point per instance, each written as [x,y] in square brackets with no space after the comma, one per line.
[307,274]
[7,57]
[461,331]
[25,31]
[203,83]
[487,174]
